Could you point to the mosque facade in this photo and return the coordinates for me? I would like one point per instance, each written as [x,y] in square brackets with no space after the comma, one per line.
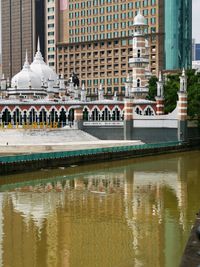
[37,97]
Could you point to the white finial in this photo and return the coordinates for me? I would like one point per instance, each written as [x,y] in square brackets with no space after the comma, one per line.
[83,86]
[26,63]
[100,86]
[38,44]
[160,76]
[183,72]
[26,58]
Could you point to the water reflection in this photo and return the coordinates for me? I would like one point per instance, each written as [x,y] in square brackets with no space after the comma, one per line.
[126,214]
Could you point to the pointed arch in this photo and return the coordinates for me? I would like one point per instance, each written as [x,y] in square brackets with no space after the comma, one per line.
[138,110]
[106,113]
[148,111]
[116,113]
[6,116]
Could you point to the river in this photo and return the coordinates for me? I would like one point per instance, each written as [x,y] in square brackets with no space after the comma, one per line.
[135,212]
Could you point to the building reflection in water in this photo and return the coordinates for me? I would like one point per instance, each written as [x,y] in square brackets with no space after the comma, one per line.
[134,215]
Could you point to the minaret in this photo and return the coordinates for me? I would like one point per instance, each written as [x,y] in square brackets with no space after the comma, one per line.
[182,108]
[160,96]
[140,59]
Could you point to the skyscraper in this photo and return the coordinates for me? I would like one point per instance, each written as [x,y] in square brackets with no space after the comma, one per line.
[56,27]
[22,23]
[178,34]
[97,42]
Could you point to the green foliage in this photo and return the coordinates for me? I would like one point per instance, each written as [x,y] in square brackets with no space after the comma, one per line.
[171,87]
[152,88]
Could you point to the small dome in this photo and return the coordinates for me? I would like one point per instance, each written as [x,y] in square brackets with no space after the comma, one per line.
[139,20]
[26,77]
[42,69]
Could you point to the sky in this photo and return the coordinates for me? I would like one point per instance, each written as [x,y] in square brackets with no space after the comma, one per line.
[196,20]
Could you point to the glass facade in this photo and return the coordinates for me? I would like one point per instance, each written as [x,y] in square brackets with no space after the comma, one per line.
[178,34]
[197,52]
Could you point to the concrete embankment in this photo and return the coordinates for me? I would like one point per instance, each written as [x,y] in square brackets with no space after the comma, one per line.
[191,255]
[35,161]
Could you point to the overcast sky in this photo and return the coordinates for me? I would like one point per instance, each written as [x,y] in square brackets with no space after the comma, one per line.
[196,20]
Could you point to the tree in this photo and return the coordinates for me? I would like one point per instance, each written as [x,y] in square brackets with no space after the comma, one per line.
[152,88]
[171,87]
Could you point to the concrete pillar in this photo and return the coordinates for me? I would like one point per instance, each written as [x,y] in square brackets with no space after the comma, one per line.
[78,118]
[182,116]
[128,118]
[159,105]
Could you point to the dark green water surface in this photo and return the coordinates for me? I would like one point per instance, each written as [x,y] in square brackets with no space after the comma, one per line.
[136,212]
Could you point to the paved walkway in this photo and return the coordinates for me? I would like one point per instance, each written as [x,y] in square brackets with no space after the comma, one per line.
[35,141]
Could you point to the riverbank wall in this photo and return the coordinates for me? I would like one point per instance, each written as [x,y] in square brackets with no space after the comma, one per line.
[192,253]
[36,161]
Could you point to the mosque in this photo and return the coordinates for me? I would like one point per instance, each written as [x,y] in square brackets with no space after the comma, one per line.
[38,97]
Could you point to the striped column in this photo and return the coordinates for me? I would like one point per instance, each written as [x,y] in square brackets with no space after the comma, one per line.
[128,118]
[182,106]
[78,117]
[128,109]
[159,105]
[182,116]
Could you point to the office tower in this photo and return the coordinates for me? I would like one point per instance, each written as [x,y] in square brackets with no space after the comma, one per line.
[97,44]
[51,10]
[197,51]
[56,27]
[22,23]
[178,34]
[193,49]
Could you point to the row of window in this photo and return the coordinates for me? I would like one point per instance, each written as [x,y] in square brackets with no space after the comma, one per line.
[108,27]
[124,6]
[106,19]
[99,36]
[102,18]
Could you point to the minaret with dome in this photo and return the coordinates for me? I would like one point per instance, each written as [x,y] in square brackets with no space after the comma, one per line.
[140,59]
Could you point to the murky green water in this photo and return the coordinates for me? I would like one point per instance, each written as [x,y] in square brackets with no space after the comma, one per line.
[116,214]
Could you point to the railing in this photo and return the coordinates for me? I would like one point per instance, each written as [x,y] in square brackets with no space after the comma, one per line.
[84,152]
[138,60]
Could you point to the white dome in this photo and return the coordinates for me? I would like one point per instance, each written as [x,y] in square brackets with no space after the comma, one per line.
[139,20]
[26,77]
[42,69]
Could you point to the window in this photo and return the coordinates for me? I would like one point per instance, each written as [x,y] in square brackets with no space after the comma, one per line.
[138,82]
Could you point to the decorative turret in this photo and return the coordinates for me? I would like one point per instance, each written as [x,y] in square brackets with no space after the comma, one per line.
[160,96]
[183,82]
[128,86]
[62,82]
[140,59]
[100,93]
[83,93]
[76,93]
[160,87]
[182,108]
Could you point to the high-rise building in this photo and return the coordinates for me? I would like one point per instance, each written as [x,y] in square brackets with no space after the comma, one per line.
[97,42]
[56,27]
[22,23]
[197,52]
[178,34]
